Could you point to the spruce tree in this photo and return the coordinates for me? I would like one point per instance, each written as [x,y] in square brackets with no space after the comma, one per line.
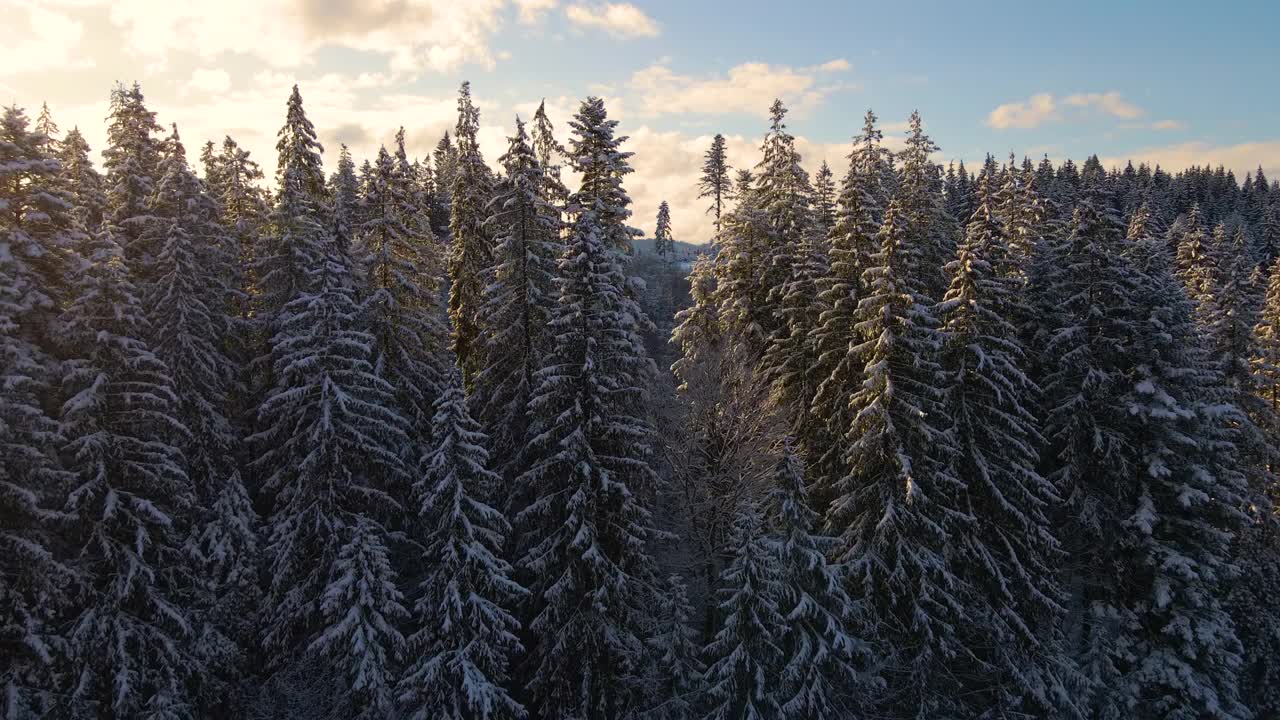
[676,651]
[926,221]
[714,183]
[331,451]
[852,240]
[663,244]
[548,151]
[345,193]
[1005,547]
[518,304]
[285,268]
[471,250]
[744,659]
[823,673]
[85,184]
[187,305]
[36,228]
[131,639]
[824,199]
[132,160]
[402,307]
[444,159]
[585,531]
[782,194]
[892,509]
[466,638]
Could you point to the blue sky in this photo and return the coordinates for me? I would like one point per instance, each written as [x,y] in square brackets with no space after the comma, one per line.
[1169,82]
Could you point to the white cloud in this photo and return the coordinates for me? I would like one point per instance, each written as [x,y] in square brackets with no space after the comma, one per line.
[619,19]
[1167,125]
[213,81]
[1110,103]
[49,41]
[415,35]
[749,88]
[837,65]
[531,11]
[1044,107]
[1031,113]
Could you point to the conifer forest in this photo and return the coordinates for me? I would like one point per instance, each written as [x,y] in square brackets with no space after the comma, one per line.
[454,437]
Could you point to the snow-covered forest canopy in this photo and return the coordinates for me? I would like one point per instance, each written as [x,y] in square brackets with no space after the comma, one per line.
[428,437]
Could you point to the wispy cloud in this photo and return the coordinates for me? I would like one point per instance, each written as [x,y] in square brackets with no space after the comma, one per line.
[531,11]
[618,19]
[1043,108]
[748,88]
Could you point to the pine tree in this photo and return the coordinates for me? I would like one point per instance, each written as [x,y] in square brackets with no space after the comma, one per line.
[466,638]
[1196,259]
[714,184]
[892,509]
[187,302]
[345,191]
[823,663]
[445,161]
[47,133]
[35,228]
[676,651]
[131,639]
[926,222]
[518,304]
[471,250]
[132,160]
[299,229]
[586,530]
[782,194]
[548,151]
[1253,597]
[1147,557]
[85,184]
[852,241]
[1005,548]
[744,659]
[400,272]
[331,445]
[663,244]
[824,199]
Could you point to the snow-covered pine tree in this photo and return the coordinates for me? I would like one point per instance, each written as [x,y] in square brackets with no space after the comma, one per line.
[86,185]
[36,226]
[1174,549]
[46,130]
[1005,546]
[444,160]
[676,652]
[331,448]
[131,639]
[187,303]
[745,661]
[1258,548]
[663,244]
[892,509]
[926,221]
[790,362]
[1267,243]
[585,532]
[344,190]
[400,274]
[519,302]
[300,228]
[783,194]
[549,151]
[1197,261]
[471,247]
[465,638]
[132,160]
[824,671]
[824,199]
[714,183]
[853,242]
[740,264]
